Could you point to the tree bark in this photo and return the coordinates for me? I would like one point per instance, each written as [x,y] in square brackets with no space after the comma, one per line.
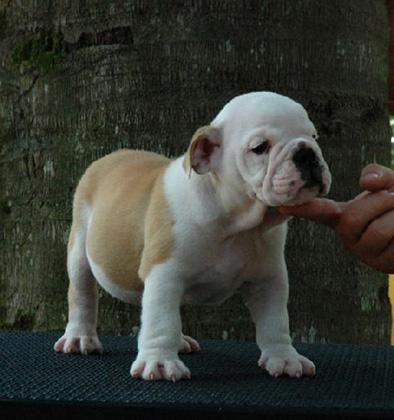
[80,79]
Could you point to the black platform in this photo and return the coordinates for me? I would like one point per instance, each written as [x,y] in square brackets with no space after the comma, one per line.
[35,382]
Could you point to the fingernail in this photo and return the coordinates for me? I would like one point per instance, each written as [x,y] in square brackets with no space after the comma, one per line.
[371,176]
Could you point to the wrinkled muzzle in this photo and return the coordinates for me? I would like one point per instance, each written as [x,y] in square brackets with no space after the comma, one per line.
[297,172]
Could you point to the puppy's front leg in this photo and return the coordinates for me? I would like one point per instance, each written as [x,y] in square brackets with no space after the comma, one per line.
[267,302]
[161,328]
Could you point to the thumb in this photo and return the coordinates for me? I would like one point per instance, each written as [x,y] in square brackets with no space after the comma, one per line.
[319,210]
[376,177]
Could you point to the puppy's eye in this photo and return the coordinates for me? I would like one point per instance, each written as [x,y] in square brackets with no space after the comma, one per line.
[261,148]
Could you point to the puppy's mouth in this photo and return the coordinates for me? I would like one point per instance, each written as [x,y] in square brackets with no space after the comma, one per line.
[310,169]
[300,177]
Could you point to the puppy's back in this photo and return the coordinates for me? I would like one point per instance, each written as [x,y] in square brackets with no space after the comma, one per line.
[128,170]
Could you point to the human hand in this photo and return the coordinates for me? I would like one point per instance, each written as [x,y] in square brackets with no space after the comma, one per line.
[365,224]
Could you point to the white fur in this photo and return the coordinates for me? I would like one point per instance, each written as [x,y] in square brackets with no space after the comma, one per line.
[213,256]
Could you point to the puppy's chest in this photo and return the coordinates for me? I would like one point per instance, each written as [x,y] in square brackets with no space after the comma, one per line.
[223,270]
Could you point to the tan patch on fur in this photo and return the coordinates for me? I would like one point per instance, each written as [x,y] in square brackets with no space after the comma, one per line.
[158,231]
[206,131]
[131,227]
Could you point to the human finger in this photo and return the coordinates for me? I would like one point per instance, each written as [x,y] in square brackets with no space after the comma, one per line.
[359,213]
[377,236]
[320,210]
[376,177]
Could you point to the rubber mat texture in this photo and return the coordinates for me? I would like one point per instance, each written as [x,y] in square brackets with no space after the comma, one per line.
[225,376]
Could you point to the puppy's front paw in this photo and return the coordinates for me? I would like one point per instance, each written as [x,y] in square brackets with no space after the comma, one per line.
[154,369]
[74,343]
[282,359]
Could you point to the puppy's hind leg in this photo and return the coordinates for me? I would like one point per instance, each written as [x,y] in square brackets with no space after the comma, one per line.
[80,335]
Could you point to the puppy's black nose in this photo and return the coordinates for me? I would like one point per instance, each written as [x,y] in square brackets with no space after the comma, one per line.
[307,163]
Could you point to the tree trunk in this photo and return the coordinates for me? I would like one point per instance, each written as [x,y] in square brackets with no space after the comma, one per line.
[80,79]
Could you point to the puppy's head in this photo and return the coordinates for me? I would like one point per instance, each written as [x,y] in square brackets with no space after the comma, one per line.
[263,144]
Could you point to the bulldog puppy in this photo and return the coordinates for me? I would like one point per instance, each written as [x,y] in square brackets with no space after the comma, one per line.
[194,230]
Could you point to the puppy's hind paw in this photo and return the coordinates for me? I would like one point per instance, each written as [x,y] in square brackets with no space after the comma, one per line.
[83,344]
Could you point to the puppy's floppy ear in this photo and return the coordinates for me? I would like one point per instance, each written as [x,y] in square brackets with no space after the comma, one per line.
[202,150]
